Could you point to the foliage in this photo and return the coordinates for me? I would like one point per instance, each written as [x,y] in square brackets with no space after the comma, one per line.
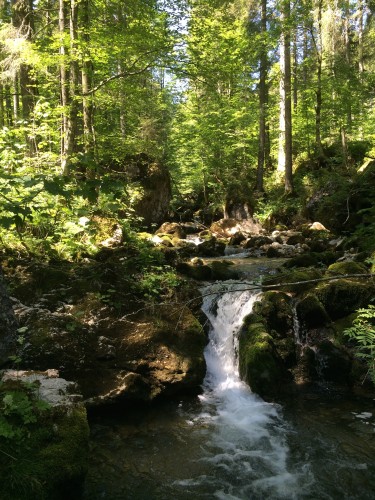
[362,332]
[20,408]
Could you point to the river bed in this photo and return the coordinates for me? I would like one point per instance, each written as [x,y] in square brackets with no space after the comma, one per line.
[229,444]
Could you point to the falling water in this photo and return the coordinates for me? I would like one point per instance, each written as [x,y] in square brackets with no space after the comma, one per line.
[245,444]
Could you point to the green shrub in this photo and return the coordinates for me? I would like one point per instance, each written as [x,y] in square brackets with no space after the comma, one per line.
[362,332]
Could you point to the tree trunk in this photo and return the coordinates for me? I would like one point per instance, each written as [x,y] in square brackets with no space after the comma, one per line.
[72,117]
[87,72]
[263,101]
[64,92]
[285,162]
[318,101]
[22,19]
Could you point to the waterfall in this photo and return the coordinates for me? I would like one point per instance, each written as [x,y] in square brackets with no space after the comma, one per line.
[246,443]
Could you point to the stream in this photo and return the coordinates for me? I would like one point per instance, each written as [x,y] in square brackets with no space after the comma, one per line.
[229,444]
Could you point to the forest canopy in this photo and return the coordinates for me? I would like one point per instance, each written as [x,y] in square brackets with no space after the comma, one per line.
[242,100]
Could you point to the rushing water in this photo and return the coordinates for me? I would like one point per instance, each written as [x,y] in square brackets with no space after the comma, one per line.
[228,443]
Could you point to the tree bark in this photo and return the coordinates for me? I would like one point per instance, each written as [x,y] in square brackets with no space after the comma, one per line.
[23,20]
[263,101]
[87,73]
[72,116]
[285,162]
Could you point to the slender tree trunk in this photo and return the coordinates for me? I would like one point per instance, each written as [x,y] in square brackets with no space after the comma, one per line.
[64,91]
[87,73]
[318,93]
[8,106]
[285,162]
[348,62]
[16,99]
[295,70]
[2,109]
[23,20]
[263,101]
[72,117]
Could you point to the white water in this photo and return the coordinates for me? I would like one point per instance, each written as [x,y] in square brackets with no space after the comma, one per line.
[244,438]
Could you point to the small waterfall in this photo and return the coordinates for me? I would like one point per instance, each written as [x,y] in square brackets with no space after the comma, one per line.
[245,445]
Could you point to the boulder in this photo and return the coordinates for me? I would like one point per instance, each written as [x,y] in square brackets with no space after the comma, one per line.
[311,312]
[259,363]
[340,268]
[150,354]
[226,228]
[276,312]
[294,280]
[333,363]
[45,451]
[344,296]
[211,248]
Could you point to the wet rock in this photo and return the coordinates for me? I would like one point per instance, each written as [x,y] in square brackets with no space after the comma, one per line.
[199,273]
[259,363]
[257,241]
[237,239]
[222,270]
[311,313]
[275,310]
[340,268]
[211,248]
[294,280]
[294,237]
[344,296]
[333,364]
[172,228]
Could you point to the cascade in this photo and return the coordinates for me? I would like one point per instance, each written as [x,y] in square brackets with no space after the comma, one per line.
[246,446]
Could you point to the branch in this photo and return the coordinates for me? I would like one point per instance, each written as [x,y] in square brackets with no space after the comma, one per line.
[259,286]
[123,74]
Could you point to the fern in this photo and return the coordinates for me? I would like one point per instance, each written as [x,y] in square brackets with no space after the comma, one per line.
[362,332]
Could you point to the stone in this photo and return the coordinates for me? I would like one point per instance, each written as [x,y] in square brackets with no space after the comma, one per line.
[349,267]
[311,312]
[50,455]
[342,297]
[317,226]
[259,363]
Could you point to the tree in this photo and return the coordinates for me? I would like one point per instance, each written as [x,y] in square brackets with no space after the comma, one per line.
[285,160]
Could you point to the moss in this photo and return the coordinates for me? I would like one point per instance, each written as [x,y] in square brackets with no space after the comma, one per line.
[304,260]
[343,296]
[51,462]
[260,365]
[221,270]
[294,276]
[276,312]
[347,268]
[199,273]
[311,312]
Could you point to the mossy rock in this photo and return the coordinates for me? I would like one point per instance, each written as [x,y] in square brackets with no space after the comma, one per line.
[311,312]
[347,268]
[344,296]
[199,273]
[300,276]
[304,260]
[341,325]
[260,365]
[276,312]
[222,270]
[51,463]
[333,363]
